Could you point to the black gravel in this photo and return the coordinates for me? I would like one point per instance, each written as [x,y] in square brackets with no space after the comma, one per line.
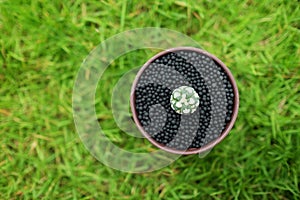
[184,68]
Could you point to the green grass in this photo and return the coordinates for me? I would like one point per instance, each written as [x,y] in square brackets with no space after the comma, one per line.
[42,45]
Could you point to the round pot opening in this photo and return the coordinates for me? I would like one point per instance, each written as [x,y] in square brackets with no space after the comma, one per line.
[184,100]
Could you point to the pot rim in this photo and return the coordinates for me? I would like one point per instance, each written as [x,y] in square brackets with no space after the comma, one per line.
[211,144]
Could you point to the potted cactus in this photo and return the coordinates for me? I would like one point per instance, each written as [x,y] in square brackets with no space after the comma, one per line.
[184,100]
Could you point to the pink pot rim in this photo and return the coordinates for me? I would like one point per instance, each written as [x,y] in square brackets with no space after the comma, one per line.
[190,150]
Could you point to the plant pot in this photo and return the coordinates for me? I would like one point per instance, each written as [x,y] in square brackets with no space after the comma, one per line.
[184,100]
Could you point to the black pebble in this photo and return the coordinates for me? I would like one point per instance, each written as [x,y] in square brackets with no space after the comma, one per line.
[151,90]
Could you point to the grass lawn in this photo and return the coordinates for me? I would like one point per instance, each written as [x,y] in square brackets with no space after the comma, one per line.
[42,45]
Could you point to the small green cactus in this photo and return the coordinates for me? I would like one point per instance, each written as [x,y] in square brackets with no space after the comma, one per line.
[184,100]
